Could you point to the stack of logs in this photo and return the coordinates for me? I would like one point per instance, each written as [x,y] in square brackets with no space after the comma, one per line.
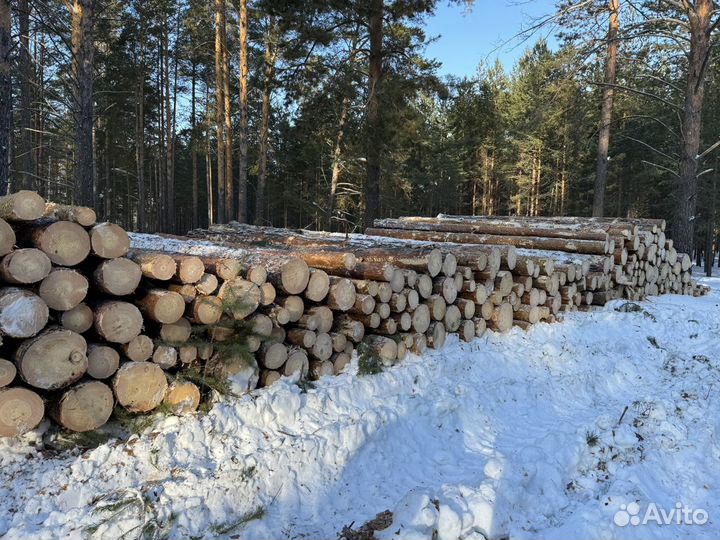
[92,317]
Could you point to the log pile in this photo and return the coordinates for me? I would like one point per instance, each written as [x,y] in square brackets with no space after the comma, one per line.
[92,317]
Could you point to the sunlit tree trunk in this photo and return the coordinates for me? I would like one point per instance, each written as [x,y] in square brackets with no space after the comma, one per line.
[5,95]
[270,56]
[242,202]
[373,120]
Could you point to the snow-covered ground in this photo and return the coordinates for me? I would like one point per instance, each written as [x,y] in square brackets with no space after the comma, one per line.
[560,432]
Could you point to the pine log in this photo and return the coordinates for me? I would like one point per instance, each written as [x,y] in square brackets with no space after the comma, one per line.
[189,268]
[502,318]
[382,309]
[341,294]
[103,361]
[240,297]
[176,333]
[256,273]
[297,363]
[383,347]
[467,330]
[22,313]
[162,306]
[187,354]
[205,310]
[64,242]
[436,335]
[140,386]
[25,266]
[424,286]
[139,349]
[84,407]
[78,319]
[279,315]
[294,305]
[339,341]
[268,377]
[453,318]
[165,357]
[273,355]
[186,290]
[207,284]
[352,329]
[118,277]
[63,289]
[340,361]
[595,247]
[7,372]
[320,368]
[54,359]
[398,302]
[364,303]
[7,237]
[446,288]
[21,410]
[385,291]
[412,298]
[437,306]
[324,317]
[260,325]
[22,206]
[421,318]
[154,265]
[82,215]
[118,322]
[318,285]
[365,286]
[322,349]
[183,398]
[225,269]
[301,337]
[109,241]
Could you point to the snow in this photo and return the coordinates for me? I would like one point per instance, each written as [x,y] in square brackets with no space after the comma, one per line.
[544,434]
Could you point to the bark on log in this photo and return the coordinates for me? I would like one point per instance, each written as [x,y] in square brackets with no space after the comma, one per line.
[82,215]
[595,247]
[140,386]
[84,407]
[21,410]
[22,313]
[54,359]
[63,289]
[109,241]
[25,266]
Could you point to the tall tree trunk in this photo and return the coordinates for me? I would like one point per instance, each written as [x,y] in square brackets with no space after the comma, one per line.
[243,127]
[208,158]
[710,227]
[82,63]
[229,187]
[270,55]
[220,109]
[193,148]
[25,166]
[172,136]
[373,134]
[5,95]
[140,137]
[700,17]
[606,113]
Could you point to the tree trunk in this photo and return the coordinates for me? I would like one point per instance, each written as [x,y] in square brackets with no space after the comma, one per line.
[373,135]
[25,167]
[229,188]
[606,113]
[699,15]
[243,128]
[5,95]
[270,55]
[83,73]
[193,149]
[220,109]
[339,141]
[140,137]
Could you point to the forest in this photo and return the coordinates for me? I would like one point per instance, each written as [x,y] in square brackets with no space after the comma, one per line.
[170,115]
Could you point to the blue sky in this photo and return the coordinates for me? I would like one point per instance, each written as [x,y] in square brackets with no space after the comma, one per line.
[470,36]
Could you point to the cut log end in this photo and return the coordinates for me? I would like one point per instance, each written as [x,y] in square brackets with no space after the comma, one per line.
[25,266]
[22,313]
[109,241]
[183,398]
[84,407]
[63,289]
[21,410]
[140,386]
[54,359]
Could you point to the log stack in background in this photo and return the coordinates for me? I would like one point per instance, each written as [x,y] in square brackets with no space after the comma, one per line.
[92,318]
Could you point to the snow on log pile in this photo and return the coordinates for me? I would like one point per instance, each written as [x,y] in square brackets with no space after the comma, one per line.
[93,317]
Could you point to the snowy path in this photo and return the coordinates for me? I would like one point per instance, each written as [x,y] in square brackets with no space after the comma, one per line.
[515,435]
